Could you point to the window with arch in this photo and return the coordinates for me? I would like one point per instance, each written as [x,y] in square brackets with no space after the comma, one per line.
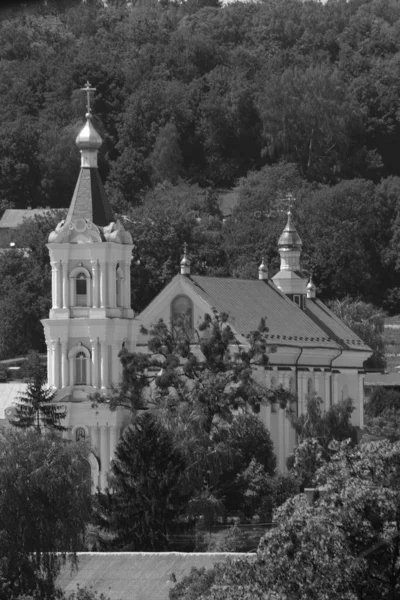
[81,368]
[120,287]
[80,286]
[81,289]
[182,314]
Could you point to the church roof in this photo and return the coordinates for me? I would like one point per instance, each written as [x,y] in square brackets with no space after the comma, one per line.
[136,575]
[89,200]
[247,301]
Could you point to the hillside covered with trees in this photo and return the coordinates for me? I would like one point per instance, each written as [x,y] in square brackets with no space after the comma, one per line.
[193,99]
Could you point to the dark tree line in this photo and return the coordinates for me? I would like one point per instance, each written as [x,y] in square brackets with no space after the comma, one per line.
[197,91]
[266,99]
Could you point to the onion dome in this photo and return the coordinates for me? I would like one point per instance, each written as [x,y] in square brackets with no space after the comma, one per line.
[290,238]
[88,138]
[311,289]
[185,262]
[263,270]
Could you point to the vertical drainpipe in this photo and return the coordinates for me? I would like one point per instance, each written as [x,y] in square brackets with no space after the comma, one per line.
[331,386]
[296,364]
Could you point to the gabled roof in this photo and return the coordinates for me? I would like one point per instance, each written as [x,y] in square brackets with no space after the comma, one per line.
[136,575]
[89,200]
[247,301]
[13,217]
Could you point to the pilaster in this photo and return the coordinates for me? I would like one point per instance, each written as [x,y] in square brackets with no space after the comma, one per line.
[103,364]
[95,363]
[104,455]
[95,279]
[65,282]
[64,365]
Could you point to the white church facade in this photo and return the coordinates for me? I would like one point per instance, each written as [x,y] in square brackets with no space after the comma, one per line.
[91,317]
[91,320]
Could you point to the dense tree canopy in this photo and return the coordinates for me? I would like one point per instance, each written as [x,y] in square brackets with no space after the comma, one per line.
[263,98]
[45,505]
[343,545]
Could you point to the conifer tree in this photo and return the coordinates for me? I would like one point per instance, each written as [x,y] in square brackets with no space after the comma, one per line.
[35,408]
[146,487]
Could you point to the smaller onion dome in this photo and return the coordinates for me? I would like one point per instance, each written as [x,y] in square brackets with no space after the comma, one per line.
[263,270]
[311,289]
[88,138]
[185,262]
[290,238]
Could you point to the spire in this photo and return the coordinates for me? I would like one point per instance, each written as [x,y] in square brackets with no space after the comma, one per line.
[185,262]
[89,200]
[263,270]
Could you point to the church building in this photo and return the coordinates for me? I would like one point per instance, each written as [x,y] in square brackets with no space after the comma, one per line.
[91,316]
[91,320]
[314,351]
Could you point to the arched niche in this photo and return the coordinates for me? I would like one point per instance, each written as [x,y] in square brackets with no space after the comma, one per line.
[79,359]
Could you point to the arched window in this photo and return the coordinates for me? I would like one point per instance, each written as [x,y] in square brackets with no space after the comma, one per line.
[81,290]
[182,313]
[120,287]
[80,368]
[79,359]
[80,286]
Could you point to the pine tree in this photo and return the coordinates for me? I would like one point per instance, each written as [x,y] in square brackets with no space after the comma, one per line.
[146,488]
[35,408]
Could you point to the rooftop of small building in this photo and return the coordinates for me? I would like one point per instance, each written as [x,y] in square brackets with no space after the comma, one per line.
[137,575]
[9,392]
[13,217]
[382,379]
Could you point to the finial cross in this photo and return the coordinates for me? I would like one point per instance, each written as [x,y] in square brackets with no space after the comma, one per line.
[88,89]
[290,199]
[185,246]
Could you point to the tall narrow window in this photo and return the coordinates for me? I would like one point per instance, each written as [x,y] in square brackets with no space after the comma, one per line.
[81,290]
[80,368]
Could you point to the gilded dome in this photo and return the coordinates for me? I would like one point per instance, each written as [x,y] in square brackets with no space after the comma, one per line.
[263,268]
[88,138]
[290,238]
[311,286]
[185,262]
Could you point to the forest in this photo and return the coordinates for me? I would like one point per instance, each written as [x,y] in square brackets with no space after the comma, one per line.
[210,115]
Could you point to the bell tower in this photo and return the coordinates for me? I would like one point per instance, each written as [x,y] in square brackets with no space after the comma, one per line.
[91,317]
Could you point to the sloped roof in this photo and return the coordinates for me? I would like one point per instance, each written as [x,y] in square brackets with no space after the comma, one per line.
[330,323]
[247,301]
[13,217]
[136,575]
[8,393]
[382,379]
[89,200]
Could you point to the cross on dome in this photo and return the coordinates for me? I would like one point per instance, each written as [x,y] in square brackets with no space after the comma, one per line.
[88,89]
[290,200]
